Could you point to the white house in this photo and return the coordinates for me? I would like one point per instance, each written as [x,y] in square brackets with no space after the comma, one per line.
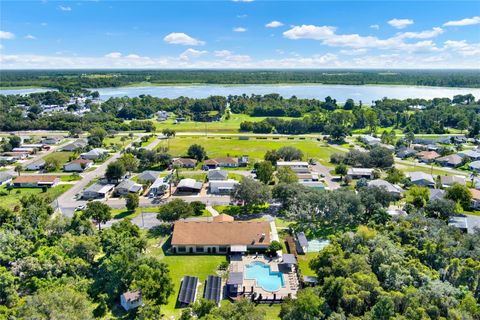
[357,173]
[98,191]
[94,154]
[78,165]
[37,165]
[5,178]
[296,166]
[131,300]
[158,187]
[127,186]
[421,179]
[222,186]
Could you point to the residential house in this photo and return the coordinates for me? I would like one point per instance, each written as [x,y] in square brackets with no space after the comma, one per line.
[34,146]
[403,153]
[158,187]
[301,243]
[189,186]
[220,235]
[37,165]
[459,222]
[394,190]
[357,173]
[452,160]
[471,154]
[475,199]
[16,155]
[433,147]
[222,186]
[51,140]
[131,300]
[98,191]
[474,166]
[78,165]
[427,156]
[94,154]
[5,178]
[306,177]
[226,162]
[217,174]
[369,140]
[75,146]
[127,186]
[148,176]
[296,166]
[436,194]
[184,163]
[162,115]
[37,181]
[7,160]
[25,150]
[313,184]
[448,181]
[421,178]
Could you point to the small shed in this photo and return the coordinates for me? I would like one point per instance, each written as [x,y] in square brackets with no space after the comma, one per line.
[234,283]
[301,243]
[131,300]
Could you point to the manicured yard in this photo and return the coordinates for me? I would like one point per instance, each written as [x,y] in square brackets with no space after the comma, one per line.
[223,126]
[10,200]
[254,148]
[150,140]
[70,178]
[303,263]
[62,156]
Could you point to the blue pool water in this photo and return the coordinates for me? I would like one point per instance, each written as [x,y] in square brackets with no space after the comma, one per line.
[265,278]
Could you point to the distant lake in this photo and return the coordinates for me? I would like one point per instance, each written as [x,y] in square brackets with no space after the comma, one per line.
[365,93]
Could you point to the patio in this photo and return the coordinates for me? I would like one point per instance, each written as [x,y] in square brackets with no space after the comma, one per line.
[249,287]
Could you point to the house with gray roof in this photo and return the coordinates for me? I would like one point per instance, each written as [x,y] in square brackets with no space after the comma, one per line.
[357,173]
[98,191]
[459,222]
[452,160]
[37,165]
[421,179]
[436,194]
[448,181]
[474,166]
[127,186]
[216,174]
[189,186]
[394,190]
[94,154]
[403,153]
[222,186]
[148,176]
[474,155]
[76,145]
[5,178]
[158,187]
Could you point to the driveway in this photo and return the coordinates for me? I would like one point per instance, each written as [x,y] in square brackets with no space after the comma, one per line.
[325,171]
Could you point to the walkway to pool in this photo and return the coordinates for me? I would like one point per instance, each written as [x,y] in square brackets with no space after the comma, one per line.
[290,279]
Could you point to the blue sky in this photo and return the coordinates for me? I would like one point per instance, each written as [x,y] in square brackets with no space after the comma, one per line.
[239,34]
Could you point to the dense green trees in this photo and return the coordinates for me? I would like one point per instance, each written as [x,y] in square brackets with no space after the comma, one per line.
[250,193]
[99,212]
[264,171]
[175,210]
[115,171]
[197,152]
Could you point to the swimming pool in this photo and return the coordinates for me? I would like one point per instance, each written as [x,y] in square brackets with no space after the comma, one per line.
[264,277]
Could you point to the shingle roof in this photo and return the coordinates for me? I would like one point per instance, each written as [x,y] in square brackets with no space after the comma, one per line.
[35,179]
[428,155]
[190,183]
[132,296]
[449,180]
[418,175]
[217,175]
[5,176]
[454,159]
[221,233]
[149,175]
[385,184]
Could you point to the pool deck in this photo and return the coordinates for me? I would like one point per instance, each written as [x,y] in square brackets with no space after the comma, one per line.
[291,283]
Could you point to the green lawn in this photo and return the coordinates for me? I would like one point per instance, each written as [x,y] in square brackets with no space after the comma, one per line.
[10,200]
[70,178]
[62,156]
[303,263]
[254,148]
[150,140]
[430,170]
[223,126]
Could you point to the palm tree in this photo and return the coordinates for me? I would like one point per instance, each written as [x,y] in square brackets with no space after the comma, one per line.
[473,175]
[18,169]
[168,133]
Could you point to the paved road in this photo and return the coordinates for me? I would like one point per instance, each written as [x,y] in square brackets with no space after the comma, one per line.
[332,184]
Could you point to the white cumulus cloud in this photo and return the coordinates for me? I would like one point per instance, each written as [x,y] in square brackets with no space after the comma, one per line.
[183,39]
[191,53]
[239,29]
[113,55]
[375,26]
[30,37]
[274,24]
[400,23]
[309,32]
[421,35]
[65,8]
[463,22]
[6,35]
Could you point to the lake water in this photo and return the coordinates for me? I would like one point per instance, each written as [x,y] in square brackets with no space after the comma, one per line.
[366,93]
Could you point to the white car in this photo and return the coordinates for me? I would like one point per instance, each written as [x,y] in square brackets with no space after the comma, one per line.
[80,207]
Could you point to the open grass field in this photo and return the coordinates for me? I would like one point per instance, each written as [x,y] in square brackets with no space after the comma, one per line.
[10,200]
[254,148]
[223,126]
[303,263]
[430,170]
[62,156]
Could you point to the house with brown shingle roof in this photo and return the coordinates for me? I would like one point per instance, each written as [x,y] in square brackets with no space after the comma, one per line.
[185,163]
[37,181]
[475,198]
[427,156]
[220,235]
[226,162]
